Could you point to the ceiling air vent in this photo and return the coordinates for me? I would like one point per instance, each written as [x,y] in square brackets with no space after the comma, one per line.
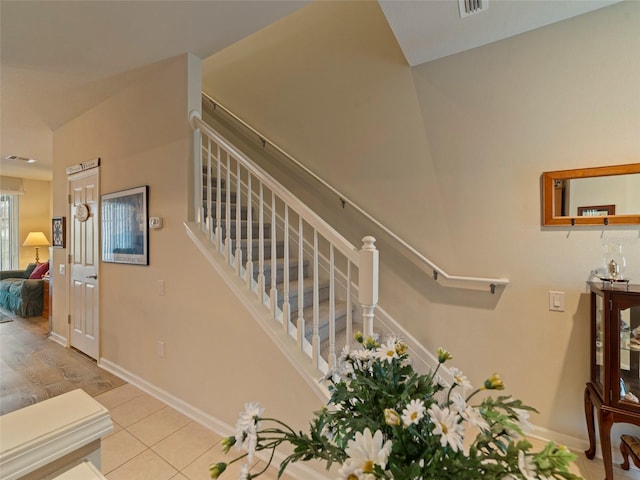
[19,158]
[470,7]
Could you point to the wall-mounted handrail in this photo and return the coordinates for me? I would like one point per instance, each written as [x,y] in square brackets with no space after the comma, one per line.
[435,269]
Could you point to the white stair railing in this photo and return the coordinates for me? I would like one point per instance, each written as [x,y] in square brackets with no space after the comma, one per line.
[298,266]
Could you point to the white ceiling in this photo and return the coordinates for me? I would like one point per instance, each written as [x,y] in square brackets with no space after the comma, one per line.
[430,29]
[60,57]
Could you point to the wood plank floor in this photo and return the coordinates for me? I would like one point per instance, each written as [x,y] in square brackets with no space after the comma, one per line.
[34,368]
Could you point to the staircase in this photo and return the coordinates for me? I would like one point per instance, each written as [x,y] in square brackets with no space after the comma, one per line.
[306,285]
[316,286]
[300,294]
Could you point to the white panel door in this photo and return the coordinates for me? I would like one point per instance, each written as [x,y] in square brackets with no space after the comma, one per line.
[84,258]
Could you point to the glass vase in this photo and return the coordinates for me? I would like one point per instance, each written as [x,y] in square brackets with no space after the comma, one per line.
[615,262]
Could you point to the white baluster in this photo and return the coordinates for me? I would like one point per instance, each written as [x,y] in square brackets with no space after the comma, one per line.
[227,220]
[331,360]
[209,215]
[249,267]
[368,282]
[315,339]
[197,165]
[273,293]
[301,326]
[261,245]
[238,253]
[286,312]
[349,329]
[218,199]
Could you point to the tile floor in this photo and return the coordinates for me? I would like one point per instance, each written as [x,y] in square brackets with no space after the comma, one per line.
[153,441]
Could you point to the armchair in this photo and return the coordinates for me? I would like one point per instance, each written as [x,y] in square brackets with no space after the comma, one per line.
[20,294]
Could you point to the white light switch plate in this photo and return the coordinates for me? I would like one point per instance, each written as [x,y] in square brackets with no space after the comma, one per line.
[556,301]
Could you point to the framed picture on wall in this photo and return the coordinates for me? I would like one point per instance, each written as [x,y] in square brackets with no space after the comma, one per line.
[597,211]
[125,226]
[58,232]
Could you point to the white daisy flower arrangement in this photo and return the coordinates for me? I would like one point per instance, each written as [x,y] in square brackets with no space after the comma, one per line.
[386,421]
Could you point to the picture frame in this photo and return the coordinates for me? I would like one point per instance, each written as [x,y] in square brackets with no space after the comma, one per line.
[59,232]
[125,226]
[597,211]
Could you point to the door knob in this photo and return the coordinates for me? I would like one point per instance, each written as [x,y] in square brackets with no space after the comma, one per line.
[95,277]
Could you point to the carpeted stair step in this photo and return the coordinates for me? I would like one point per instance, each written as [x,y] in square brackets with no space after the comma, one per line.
[255,229]
[223,195]
[255,254]
[307,295]
[323,316]
[223,210]
[293,271]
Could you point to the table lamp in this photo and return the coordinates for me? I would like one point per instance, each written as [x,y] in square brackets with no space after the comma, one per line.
[36,239]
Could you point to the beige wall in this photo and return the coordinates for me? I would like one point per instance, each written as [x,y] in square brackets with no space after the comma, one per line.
[449,155]
[35,216]
[216,359]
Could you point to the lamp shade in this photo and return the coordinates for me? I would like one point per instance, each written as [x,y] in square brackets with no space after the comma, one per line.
[35,239]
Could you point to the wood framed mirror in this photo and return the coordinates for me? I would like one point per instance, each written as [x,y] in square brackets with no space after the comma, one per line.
[592,196]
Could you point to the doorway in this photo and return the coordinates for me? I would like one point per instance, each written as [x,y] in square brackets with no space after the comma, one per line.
[84,324]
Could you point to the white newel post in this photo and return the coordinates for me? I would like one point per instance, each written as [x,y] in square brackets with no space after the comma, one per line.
[368,282]
[197,169]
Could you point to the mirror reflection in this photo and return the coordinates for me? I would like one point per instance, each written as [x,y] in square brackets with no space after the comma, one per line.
[592,196]
[615,195]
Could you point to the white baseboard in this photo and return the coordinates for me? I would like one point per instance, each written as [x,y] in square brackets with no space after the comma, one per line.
[580,445]
[56,337]
[295,470]
[574,444]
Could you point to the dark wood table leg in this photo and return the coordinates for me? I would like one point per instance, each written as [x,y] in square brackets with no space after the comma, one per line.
[605,422]
[591,429]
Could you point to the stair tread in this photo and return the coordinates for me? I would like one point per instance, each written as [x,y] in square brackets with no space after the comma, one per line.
[293,262]
[307,286]
[323,311]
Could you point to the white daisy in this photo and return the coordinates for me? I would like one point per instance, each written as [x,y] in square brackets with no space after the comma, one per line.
[460,379]
[349,471]
[523,420]
[526,466]
[413,413]
[446,424]
[475,418]
[247,427]
[365,451]
[244,472]
[458,402]
[250,443]
[468,413]
[386,352]
[250,416]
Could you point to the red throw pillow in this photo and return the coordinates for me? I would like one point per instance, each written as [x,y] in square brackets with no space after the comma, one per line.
[39,271]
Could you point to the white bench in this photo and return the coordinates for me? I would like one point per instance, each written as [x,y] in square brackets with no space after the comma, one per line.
[45,439]
[82,471]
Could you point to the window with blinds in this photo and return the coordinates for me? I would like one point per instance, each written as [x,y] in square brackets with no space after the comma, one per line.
[9,232]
